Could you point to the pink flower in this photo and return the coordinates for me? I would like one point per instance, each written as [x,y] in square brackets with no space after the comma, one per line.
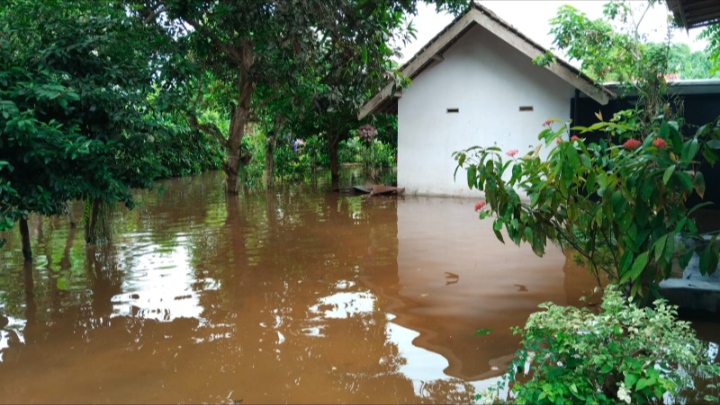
[631,144]
[512,152]
[547,123]
[558,141]
[660,143]
[574,138]
[479,206]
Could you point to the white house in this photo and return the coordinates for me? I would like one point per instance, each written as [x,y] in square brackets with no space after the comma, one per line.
[474,84]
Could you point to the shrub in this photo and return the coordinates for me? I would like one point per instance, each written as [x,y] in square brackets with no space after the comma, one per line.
[627,195]
[624,354]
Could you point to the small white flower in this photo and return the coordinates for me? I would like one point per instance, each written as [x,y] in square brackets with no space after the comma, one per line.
[623,393]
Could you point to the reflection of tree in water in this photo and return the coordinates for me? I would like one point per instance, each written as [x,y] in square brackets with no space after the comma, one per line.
[454,391]
[275,257]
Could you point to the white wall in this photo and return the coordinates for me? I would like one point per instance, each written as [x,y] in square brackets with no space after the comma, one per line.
[488,81]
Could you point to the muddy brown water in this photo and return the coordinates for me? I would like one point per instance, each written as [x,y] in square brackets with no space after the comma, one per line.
[299,295]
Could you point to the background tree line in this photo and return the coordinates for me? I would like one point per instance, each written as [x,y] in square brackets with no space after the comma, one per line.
[97,98]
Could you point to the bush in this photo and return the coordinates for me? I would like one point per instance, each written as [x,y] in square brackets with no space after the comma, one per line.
[627,193]
[624,354]
[350,151]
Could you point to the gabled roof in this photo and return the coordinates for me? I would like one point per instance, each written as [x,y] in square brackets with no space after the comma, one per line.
[385,101]
[695,13]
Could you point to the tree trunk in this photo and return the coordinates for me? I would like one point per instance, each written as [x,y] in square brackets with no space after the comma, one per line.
[25,236]
[68,211]
[91,223]
[334,167]
[278,122]
[237,131]
[270,162]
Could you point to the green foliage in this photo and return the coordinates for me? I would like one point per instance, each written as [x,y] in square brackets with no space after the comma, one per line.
[303,163]
[627,198]
[690,65]
[73,83]
[620,203]
[624,354]
[711,34]
[350,150]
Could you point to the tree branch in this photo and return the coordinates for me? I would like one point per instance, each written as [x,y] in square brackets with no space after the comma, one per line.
[233,53]
[208,128]
[155,12]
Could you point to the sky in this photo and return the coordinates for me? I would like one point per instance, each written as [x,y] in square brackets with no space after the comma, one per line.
[532,19]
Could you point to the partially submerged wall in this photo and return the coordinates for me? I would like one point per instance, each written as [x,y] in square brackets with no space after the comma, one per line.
[487,81]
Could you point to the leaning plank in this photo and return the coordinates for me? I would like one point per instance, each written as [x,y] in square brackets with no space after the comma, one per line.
[386,190]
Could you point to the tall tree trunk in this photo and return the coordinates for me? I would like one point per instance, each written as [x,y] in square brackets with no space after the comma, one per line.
[278,122]
[91,222]
[334,167]
[270,162]
[237,131]
[25,236]
[70,216]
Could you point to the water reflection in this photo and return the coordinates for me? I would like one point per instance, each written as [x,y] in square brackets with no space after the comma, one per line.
[295,296]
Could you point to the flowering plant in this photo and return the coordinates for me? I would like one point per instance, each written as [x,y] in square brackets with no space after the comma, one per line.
[625,354]
[619,206]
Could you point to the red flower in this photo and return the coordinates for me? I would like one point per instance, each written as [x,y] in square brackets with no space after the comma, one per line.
[574,138]
[558,141]
[512,152]
[547,123]
[631,144]
[660,143]
[479,205]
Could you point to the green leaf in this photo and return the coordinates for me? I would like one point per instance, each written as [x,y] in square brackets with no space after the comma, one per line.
[471,177]
[685,180]
[636,269]
[714,144]
[481,332]
[668,172]
[590,182]
[631,379]
[659,247]
[644,382]
[690,149]
[708,259]
[499,236]
[626,261]
[669,247]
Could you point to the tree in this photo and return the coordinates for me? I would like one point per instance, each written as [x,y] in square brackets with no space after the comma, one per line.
[711,34]
[690,65]
[74,79]
[267,42]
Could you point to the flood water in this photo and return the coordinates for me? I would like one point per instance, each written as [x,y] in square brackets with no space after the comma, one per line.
[299,295]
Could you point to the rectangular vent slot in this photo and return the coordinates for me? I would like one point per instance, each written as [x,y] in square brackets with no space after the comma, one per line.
[453,110]
[526,108]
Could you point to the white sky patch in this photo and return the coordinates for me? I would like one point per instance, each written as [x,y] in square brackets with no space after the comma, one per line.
[532,19]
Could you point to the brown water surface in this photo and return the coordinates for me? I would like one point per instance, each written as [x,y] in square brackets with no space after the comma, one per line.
[297,295]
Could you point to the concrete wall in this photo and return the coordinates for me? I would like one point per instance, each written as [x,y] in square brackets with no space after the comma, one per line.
[488,81]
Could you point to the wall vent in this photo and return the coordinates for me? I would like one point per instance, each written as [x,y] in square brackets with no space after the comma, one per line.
[526,108]
[453,110]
